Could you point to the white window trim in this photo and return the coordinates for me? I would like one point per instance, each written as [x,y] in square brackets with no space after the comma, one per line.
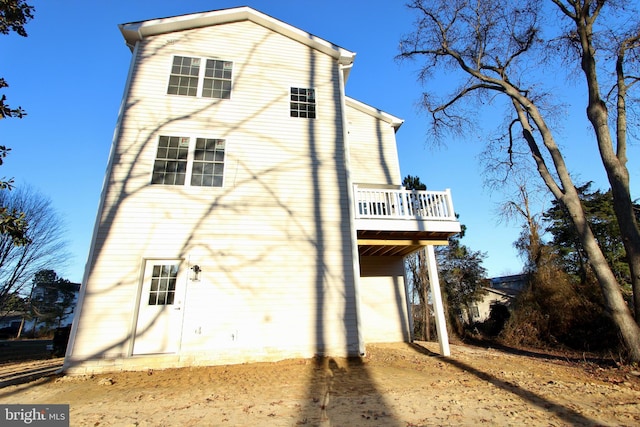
[201,71]
[190,158]
[302,86]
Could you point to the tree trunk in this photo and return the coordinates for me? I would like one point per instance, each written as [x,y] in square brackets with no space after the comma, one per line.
[21,327]
[425,312]
[423,280]
[568,196]
[632,239]
[614,162]
[618,176]
[33,328]
[614,301]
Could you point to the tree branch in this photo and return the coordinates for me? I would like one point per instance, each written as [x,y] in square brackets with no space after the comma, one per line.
[462,93]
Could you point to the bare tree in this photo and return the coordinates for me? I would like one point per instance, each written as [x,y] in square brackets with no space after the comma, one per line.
[529,243]
[46,247]
[503,51]
[419,290]
[418,272]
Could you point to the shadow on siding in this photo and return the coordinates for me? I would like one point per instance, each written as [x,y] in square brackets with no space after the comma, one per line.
[327,378]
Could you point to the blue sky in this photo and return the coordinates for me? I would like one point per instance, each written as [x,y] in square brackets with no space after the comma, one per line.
[69,76]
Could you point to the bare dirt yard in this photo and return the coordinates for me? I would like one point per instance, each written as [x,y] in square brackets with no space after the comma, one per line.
[394,385]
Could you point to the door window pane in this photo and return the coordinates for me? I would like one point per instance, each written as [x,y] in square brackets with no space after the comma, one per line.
[163,284]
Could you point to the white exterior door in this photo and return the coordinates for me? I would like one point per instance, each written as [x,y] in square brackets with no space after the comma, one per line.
[159,325]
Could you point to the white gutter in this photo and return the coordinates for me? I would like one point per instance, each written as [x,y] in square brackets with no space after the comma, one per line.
[344,68]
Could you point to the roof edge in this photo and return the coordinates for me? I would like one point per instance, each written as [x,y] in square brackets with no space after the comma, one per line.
[136,31]
[394,121]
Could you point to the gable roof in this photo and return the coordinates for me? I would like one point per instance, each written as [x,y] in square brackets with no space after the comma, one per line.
[136,31]
[393,121]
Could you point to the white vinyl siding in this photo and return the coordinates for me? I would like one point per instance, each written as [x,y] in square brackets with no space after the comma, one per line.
[373,155]
[273,243]
[383,300]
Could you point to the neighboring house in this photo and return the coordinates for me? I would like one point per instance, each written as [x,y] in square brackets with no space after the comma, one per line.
[503,290]
[510,285]
[53,305]
[250,210]
[10,324]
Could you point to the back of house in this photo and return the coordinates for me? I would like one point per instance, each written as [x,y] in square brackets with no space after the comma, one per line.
[226,227]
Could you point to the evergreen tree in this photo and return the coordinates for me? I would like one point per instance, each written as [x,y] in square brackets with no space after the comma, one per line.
[14,14]
[566,243]
[53,298]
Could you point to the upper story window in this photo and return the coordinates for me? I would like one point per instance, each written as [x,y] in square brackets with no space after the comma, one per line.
[303,102]
[208,163]
[178,157]
[170,167]
[217,79]
[184,76]
[188,77]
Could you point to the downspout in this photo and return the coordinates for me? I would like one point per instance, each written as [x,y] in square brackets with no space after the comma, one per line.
[343,69]
[83,289]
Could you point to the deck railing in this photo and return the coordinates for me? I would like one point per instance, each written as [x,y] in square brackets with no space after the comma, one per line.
[403,204]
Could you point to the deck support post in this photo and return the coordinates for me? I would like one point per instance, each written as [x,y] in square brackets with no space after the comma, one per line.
[438,307]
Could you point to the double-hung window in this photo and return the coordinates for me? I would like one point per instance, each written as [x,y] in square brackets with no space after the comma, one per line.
[303,103]
[217,79]
[170,167]
[208,163]
[190,78]
[184,76]
[201,160]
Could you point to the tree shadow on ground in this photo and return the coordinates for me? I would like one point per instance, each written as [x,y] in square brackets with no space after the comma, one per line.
[562,412]
[333,384]
[568,356]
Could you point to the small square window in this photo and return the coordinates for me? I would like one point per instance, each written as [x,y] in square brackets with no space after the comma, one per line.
[303,103]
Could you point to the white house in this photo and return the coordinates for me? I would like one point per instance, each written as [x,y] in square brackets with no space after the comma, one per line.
[53,305]
[502,291]
[251,211]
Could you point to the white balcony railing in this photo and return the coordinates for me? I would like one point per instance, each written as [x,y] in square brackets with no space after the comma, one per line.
[376,203]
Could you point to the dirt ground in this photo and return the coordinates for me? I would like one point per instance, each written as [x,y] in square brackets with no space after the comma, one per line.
[395,385]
